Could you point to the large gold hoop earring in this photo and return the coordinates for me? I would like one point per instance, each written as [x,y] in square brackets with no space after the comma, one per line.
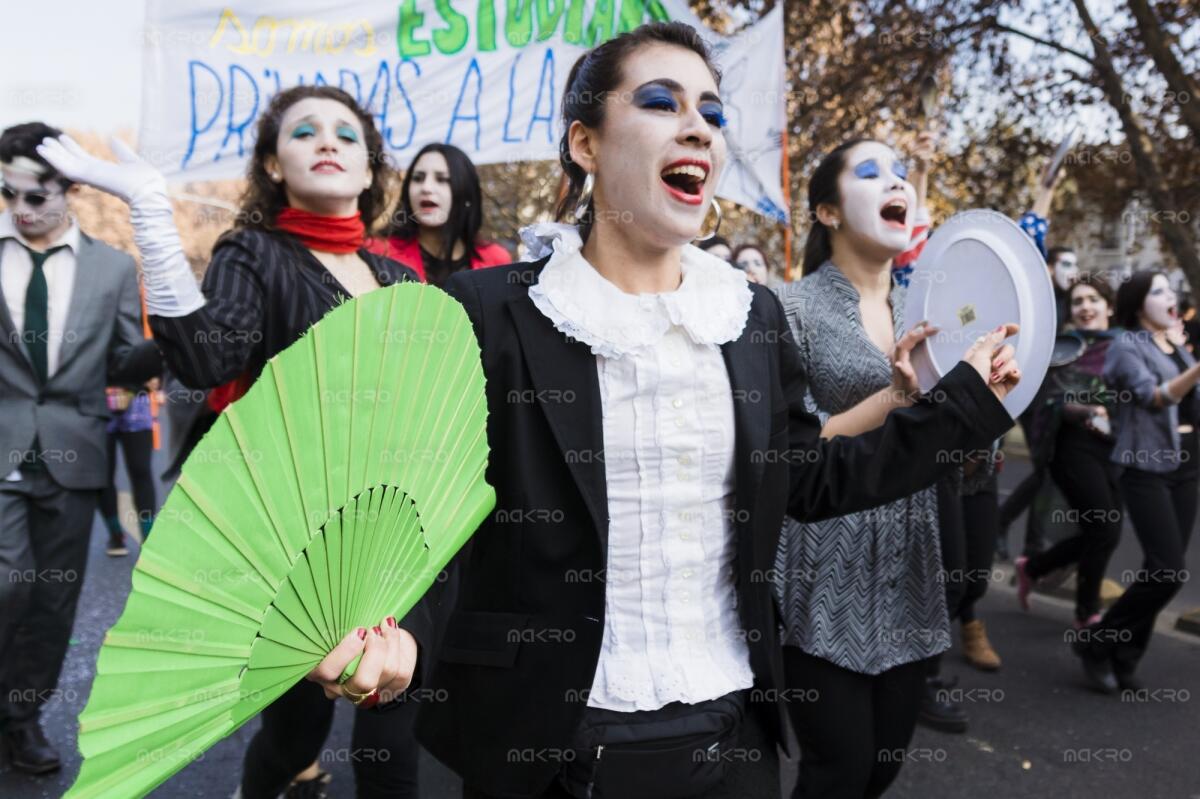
[585,197]
[716,207]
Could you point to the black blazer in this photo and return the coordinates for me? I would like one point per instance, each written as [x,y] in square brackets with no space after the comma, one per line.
[522,642]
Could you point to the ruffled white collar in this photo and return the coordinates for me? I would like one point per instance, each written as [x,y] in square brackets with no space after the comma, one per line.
[711,304]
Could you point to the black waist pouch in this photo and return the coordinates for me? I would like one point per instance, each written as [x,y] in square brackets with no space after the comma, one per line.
[677,751]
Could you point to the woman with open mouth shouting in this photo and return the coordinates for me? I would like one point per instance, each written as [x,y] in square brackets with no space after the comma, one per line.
[1157,446]
[862,595]
[611,628]
[435,231]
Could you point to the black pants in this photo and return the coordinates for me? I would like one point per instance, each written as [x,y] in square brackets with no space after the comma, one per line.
[1091,483]
[967,528]
[854,729]
[1162,508]
[43,554]
[1021,499]
[138,449]
[383,750]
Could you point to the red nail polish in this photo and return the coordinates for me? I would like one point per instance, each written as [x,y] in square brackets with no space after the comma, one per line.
[391,621]
[377,630]
[362,633]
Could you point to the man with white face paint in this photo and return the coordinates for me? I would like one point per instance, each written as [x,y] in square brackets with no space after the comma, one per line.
[1064,271]
[70,324]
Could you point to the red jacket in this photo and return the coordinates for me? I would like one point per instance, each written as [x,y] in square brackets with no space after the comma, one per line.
[408,252]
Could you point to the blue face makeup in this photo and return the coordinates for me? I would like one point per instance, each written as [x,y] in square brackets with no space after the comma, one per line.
[303,130]
[659,98]
[655,97]
[870,169]
[713,113]
[867,169]
[347,133]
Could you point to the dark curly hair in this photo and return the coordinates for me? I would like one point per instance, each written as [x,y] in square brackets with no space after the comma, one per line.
[264,198]
[594,75]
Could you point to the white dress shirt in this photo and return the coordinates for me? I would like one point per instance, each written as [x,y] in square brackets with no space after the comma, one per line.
[16,267]
[671,626]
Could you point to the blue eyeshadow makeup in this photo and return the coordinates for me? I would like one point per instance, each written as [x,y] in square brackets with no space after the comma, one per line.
[714,113]
[654,97]
[867,169]
[870,169]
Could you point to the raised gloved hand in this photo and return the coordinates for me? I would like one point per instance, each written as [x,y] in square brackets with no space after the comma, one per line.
[129,178]
[171,288]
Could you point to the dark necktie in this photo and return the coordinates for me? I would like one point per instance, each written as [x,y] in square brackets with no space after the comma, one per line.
[36,334]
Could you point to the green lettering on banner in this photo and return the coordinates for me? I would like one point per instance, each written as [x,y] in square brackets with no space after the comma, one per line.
[518,25]
[406,42]
[574,32]
[600,28]
[452,38]
[547,24]
[633,14]
[487,26]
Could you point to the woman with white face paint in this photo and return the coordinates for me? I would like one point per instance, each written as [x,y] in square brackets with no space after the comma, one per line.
[861,595]
[625,623]
[315,185]
[1156,442]
[435,231]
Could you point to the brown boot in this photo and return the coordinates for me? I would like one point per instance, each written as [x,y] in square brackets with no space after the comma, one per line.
[976,647]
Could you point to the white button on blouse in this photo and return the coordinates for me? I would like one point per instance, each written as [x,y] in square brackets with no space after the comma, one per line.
[671,626]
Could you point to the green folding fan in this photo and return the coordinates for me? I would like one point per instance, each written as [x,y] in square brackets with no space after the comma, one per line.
[328,497]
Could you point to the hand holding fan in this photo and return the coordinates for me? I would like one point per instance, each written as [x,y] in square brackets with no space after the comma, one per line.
[330,496]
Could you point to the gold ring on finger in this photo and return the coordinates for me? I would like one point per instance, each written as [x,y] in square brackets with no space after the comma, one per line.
[356,697]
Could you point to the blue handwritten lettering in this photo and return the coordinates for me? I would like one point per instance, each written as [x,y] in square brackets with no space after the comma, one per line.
[473,67]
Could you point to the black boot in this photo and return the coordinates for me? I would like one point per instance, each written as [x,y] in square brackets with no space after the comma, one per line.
[1097,668]
[28,750]
[938,710]
[1126,679]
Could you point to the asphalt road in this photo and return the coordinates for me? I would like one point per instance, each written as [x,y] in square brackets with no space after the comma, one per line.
[1036,731]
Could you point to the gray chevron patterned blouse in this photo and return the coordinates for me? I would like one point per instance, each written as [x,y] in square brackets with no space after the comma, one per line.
[863,591]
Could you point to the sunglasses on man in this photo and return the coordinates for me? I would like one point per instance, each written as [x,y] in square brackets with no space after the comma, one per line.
[33,199]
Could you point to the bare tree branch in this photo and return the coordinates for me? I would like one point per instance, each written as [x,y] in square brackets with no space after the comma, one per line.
[1044,42]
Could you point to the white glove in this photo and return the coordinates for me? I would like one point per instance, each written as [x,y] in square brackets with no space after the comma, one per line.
[130,178]
[171,288]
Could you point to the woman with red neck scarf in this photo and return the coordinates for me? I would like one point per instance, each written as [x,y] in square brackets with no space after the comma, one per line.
[297,250]
[435,231]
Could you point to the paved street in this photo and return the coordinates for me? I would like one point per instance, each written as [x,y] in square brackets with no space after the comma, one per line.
[1036,731]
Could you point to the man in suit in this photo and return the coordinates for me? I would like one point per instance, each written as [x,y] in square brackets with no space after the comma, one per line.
[69,326]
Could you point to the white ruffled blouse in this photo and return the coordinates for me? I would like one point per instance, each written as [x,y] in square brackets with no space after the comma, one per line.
[671,626]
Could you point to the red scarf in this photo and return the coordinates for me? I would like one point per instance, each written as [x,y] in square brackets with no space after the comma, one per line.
[338,234]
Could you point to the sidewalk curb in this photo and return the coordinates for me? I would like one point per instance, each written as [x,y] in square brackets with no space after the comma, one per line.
[1189,622]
